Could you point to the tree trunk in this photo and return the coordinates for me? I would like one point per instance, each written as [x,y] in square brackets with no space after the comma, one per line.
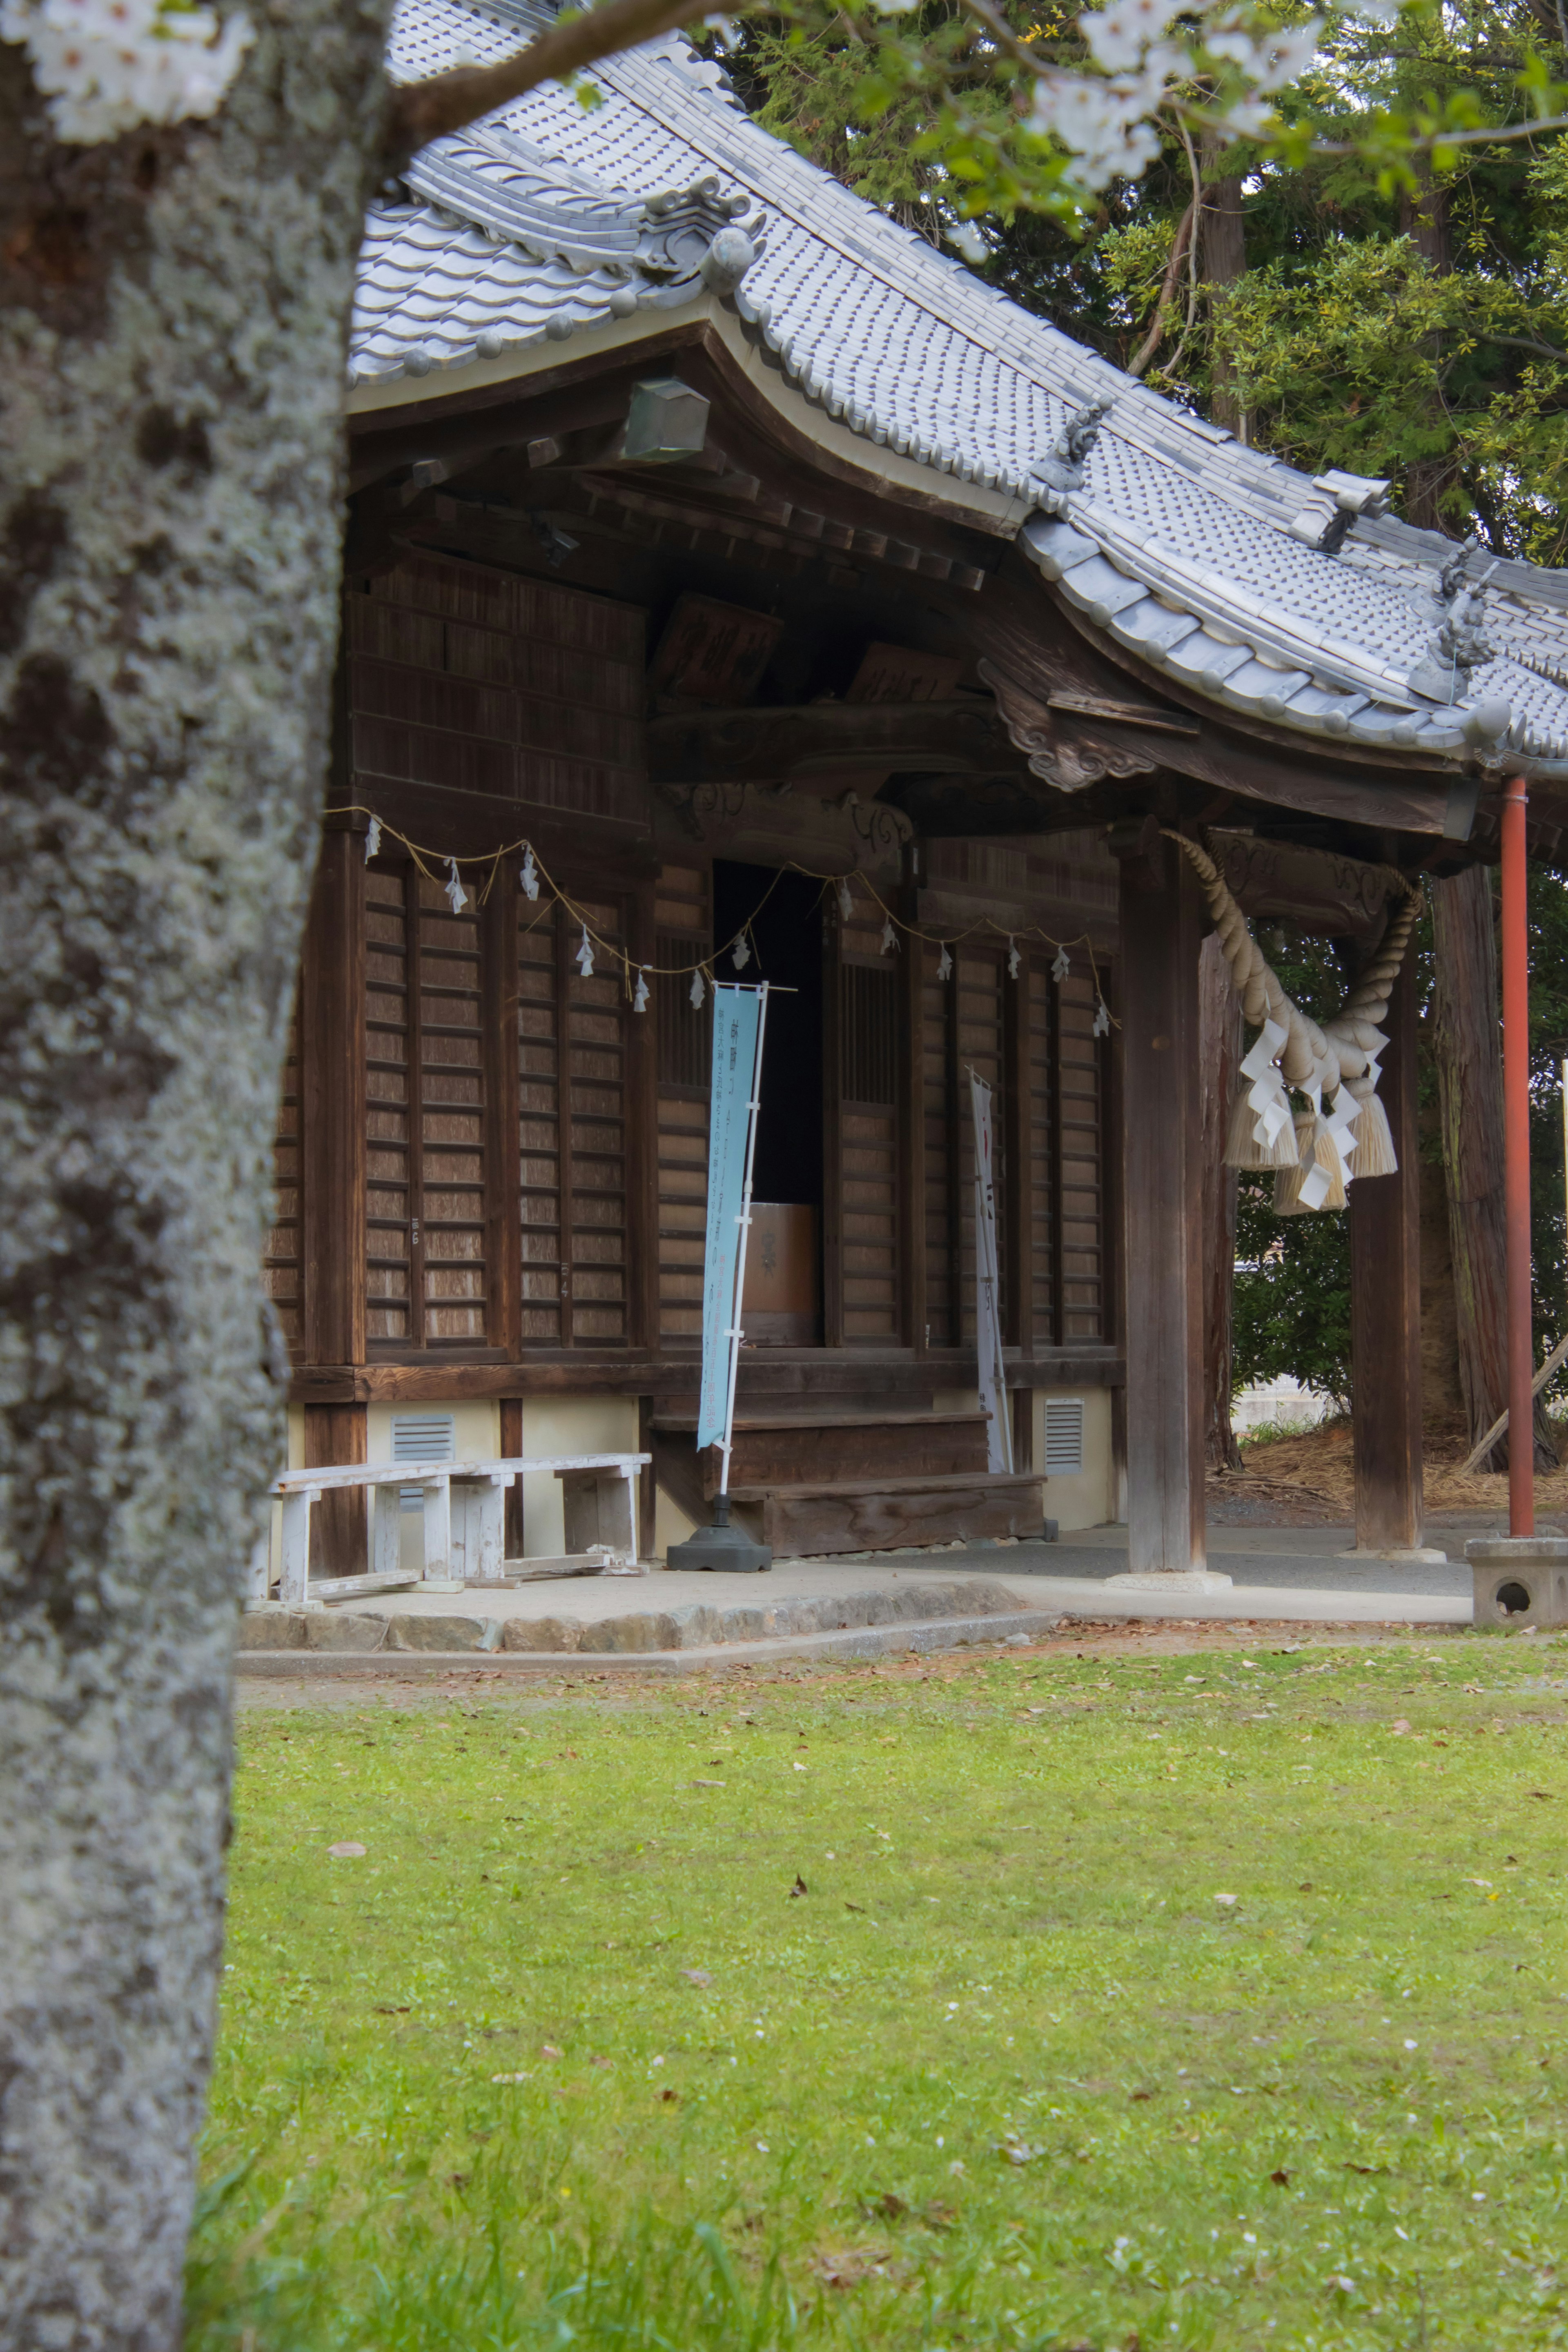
[1424,219]
[1222,259]
[1219,1049]
[173,322]
[1468,1050]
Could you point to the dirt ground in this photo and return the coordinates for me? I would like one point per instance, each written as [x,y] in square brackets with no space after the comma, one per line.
[1308,1480]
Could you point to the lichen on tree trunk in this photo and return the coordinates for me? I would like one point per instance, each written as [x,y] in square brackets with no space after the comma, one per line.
[174,314]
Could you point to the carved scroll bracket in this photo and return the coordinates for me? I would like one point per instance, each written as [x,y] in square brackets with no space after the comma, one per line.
[1062,751]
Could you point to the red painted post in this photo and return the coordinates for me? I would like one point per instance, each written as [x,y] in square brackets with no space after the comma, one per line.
[1516,1163]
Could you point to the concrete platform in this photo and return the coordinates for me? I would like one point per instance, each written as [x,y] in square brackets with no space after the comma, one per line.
[866,1605]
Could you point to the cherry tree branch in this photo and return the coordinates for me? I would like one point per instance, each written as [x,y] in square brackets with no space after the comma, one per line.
[1153,339]
[422,110]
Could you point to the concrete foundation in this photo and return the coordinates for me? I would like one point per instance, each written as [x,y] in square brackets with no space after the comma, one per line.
[1520,1579]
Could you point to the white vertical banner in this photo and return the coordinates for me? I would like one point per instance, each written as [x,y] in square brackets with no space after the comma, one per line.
[987,1286]
[738,1022]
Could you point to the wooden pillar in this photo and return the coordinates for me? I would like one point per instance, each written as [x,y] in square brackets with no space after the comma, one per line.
[1385,1307]
[333,1171]
[914,1310]
[1160,915]
[1219,1021]
[832,1126]
[511,1450]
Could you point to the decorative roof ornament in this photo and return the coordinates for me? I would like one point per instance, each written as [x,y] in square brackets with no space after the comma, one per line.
[1354,495]
[1461,644]
[1058,476]
[727,260]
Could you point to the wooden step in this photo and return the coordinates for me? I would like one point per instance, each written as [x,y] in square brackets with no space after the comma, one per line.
[793,1449]
[830,1417]
[811,1519]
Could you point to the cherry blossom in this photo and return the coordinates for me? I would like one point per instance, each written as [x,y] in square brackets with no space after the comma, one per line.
[105,65]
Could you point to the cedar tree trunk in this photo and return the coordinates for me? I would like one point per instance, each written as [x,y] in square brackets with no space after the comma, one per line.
[1424,219]
[1222,259]
[1219,1051]
[1467,1046]
[173,319]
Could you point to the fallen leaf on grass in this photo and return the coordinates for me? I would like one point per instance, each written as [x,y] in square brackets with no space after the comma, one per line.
[548,2050]
[1397,1727]
[669,2098]
[1281,2179]
[600,2062]
[857,1906]
[697,1977]
[1368,2169]
[848,2269]
[346,1851]
[1541,1793]
[392,2009]
[887,2206]
[800,1887]
[1142,2094]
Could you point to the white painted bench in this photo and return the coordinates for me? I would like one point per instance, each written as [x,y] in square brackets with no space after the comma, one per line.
[464,1514]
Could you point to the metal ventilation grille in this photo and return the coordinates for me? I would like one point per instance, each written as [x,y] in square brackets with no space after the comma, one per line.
[420,1437]
[1063,1436]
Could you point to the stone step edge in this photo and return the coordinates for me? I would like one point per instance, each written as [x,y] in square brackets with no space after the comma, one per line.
[689,1626]
[853,1642]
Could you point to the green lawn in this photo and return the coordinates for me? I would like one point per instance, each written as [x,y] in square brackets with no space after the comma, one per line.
[1208,1999]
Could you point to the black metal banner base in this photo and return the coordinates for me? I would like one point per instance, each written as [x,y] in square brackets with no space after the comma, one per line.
[721,1545]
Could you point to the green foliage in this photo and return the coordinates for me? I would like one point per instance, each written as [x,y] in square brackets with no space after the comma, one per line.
[1291,1305]
[1005,2073]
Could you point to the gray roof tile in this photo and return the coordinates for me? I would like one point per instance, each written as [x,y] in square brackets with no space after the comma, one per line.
[538,219]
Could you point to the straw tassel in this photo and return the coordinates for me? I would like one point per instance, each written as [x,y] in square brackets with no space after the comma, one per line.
[1337,1059]
[1375,1152]
[1242,1148]
[1314,1148]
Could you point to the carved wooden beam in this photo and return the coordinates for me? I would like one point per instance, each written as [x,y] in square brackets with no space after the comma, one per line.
[1316,889]
[792,745]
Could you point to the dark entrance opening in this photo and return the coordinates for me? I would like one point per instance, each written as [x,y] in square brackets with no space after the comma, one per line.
[782,913]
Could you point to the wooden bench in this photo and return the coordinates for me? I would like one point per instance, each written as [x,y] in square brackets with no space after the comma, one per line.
[464,1522]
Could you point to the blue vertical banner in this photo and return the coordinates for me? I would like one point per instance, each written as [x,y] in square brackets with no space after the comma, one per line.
[736,1012]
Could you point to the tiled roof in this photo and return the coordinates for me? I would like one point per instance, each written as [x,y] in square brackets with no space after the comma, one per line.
[1188,549]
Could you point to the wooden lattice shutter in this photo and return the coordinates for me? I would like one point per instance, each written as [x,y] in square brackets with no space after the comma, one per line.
[546,1276]
[571,1032]
[1038,1109]
[594,1183]
[683,937]
[282,1262]
[1081,1162]
[389,1302]
[940,1147]
[426,1206]
[867,1076]
[977,1014]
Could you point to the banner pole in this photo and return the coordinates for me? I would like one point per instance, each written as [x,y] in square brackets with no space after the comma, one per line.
[744,1221]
